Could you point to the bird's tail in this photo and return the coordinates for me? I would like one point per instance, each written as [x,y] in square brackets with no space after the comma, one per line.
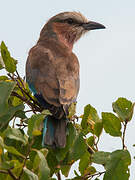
[54,132]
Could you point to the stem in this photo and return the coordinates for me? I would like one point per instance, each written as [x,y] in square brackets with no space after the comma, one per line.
[96,143]
[3,171]
[13,122]
[26,158]
[24,99]
[58,175]
[87,176]
[19,78]
[23,90]
[12,175]
[123,136]
[90,150]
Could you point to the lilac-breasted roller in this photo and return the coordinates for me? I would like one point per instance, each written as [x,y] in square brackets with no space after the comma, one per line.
[52,71]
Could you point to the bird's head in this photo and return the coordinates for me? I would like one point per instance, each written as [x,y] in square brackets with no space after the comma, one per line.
[68,27]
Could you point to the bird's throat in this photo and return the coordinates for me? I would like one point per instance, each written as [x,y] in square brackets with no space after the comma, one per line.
[65,35]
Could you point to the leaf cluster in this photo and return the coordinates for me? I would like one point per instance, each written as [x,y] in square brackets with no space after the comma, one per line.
[21,126]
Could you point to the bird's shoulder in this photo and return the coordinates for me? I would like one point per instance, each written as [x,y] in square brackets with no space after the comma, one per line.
[39,55]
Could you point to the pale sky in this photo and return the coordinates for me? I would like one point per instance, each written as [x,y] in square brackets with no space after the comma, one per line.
[107,57]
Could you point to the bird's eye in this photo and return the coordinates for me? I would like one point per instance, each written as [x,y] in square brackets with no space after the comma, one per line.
[70,21]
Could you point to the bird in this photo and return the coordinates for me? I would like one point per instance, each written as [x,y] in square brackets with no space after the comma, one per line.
[52,72]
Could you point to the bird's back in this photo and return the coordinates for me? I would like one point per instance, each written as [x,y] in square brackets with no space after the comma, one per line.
[54,71]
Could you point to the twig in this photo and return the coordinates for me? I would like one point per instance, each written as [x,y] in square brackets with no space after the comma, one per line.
[12,175]
[87,176]
[3,171]
[26,158]
[32,105]
[90,150]
[123,136]
[21,125]
[28,111]
[58,175]
[24,92]
[20,78]
[96,143]
[13,122]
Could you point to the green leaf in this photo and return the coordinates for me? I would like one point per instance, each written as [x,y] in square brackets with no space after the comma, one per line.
[72,110]
[44,170]
[98,128]
[85,116]
[6,165]
[90,170]
[117,166]
[3,78]
[46,112]
[1,142]
[91,121]
[10,63]
[84,162]
[123,108]
[12,150]
[52,161]
[37,142]
[7,112]
[35,125]
[101,157]
[21,114]
[16,101]
[18,145]
[9,115]
[111,124]
[5,91]
[65,170]
[90,141]
[16,134]
[78,149]
[1,63]
[17,167]
[3,176]
[29,175]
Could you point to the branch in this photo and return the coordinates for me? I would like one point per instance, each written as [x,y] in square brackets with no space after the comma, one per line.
[123,135]
[12,175]
[96,142]
[26,158]
[19,78]
[87,176]
[3,171]
[90,150]
[58,175]
[23,90]
[24,99]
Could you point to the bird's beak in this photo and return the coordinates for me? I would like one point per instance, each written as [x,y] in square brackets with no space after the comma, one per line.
[91,25]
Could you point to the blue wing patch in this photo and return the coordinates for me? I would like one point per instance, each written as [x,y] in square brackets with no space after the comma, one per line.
[32,88]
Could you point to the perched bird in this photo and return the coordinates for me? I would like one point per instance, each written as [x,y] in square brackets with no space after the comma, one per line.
[52,71]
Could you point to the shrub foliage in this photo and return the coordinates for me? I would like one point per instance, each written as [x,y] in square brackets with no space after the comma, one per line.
[21,123]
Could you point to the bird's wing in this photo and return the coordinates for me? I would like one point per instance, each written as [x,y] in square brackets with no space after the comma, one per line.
[68,77]
[55,78]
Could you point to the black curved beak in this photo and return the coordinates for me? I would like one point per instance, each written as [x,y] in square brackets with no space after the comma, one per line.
[91,25]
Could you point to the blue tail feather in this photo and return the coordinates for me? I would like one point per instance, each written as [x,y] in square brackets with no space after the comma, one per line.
[54,130]
[44,130]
